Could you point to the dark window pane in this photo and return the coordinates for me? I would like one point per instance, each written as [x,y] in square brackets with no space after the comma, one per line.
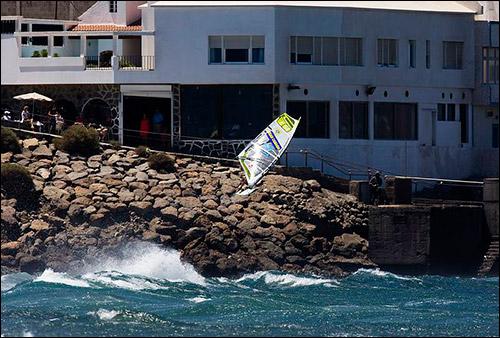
[292,58]
[258,55]
[441,112]
[360,120]
[24,40]
[215,55]
[317,120]
[247,110]
[495,136]
[201,106]
[405,121]
[345,120]
[24,27]
[384,121]
[58,41]
[298,109]
[46,28]
[464,123]
[236,55]
[451,113]
[304,58]
[40,41]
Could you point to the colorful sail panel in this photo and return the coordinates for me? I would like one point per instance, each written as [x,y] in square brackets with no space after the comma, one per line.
[266,149]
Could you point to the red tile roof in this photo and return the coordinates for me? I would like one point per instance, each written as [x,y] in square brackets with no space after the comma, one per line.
[106,28]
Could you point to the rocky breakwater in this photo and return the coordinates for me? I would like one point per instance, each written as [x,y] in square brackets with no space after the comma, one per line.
[90,206]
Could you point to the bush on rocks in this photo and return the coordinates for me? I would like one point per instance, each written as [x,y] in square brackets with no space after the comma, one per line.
[10,142]
[115,144]
[162,163]
[142,151]
[79,140]
[17,183]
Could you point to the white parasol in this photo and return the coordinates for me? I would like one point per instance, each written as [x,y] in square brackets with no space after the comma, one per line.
[34,97]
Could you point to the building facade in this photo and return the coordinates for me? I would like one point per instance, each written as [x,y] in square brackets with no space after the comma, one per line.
[408,88]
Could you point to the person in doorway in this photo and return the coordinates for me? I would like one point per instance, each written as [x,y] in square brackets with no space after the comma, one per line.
[375,185]
[144,129]
[52,119]
[158,121]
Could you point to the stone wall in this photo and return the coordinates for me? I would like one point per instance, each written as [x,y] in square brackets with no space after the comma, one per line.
[62,10]
[399,235]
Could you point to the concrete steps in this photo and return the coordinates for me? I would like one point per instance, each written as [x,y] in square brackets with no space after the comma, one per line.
[490,258]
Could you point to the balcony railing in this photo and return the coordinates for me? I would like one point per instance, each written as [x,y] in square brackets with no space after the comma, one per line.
[136,62]
[97,63]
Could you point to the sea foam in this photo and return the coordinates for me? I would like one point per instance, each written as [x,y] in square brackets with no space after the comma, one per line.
[288,279]
[49,276]
[146,260]
[12,280]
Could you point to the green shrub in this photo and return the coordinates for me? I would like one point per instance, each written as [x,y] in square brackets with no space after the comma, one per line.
[17,182]
[142,151]
[36,54]
[78,140]
[56,55]
[162,162]
[10,142]
[115,144]
[45,53]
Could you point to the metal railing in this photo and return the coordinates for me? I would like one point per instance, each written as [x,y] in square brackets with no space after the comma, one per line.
[97,63]
[327,165]
[136,62]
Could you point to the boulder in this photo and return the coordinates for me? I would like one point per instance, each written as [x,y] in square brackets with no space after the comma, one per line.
[39,225]
[142,208]
[189,202]
[30,143]
[53,193]
[31,264]
[11,248]
[42,151]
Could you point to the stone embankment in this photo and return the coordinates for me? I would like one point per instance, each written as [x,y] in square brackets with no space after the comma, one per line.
[90,206]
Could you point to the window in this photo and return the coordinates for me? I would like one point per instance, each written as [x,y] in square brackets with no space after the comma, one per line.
[412,53]
[40,41]
[230,112]
[113,6]
[396,121]
[46,28]
[58,41]
[236,49]
[441,112]
[215,46]
[303,49]
[315,118]
[494,142]
[490,65]
[327,51]
[451,116]
[464,123]
[353,120]
[387,50]
[427,54]
[453,55]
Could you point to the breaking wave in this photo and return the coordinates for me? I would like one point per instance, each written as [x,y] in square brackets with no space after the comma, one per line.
[384,274]
[288,280]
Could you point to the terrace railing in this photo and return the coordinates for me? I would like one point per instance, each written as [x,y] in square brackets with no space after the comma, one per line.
[97,63]
[136,62]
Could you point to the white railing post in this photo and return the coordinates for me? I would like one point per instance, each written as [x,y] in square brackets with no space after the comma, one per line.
[50,47]
[83,46]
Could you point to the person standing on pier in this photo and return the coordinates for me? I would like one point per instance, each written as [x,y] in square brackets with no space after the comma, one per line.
[375,188]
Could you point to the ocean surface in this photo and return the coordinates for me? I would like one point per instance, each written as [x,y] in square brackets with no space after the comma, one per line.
[147,291]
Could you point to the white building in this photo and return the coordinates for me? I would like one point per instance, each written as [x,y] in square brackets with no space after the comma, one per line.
[398,86]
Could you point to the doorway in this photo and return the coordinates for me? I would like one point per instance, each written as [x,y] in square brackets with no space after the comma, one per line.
[147,122]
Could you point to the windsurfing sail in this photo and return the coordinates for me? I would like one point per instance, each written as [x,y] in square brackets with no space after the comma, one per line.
[266,149]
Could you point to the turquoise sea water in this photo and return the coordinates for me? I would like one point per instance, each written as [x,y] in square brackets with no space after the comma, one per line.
[148,292]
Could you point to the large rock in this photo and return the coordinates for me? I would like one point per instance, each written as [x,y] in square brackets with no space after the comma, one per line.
[30,143]
[142,208]
[189,202]
[31,264]
[53,193]
[11,248]
[42,151]
[39,225]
